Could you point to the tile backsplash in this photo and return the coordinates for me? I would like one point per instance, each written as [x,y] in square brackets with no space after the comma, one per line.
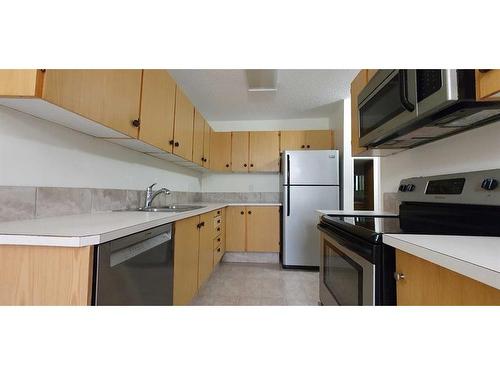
[20,203]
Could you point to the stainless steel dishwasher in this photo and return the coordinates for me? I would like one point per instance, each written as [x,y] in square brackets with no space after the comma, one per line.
[135,270]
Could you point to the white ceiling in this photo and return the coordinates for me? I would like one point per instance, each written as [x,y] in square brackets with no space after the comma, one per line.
[221,94]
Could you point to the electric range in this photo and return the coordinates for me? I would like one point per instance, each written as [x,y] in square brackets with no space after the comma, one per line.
[357,268]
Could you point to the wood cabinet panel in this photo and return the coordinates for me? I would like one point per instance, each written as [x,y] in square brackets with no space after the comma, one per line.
[206,251]
[157,109]
[183,126]
[44,275]
[356,86]
[236,228]
[263,228]
[319,140]
[239,151]
[186,252]
[20,82]
[488,84]
[427,284]
[109,97]
[292,140]
[207,133]
[198,135]
[370,73]
[220,151]
[264,152]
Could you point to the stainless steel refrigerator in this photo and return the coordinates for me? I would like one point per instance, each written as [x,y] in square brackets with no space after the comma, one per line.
[309,181]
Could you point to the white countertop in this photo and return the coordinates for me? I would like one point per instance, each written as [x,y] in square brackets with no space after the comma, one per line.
[474,257]
[355,213]
[93,229]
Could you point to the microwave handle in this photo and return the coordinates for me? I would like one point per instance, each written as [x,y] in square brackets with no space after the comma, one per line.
[403,91]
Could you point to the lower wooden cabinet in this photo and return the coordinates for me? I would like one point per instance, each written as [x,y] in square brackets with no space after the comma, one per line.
[422,283]
[206,252]
[253,229]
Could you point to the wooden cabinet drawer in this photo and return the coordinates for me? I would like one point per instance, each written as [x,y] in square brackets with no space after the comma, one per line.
[218,241]
[217,212]
[218,254]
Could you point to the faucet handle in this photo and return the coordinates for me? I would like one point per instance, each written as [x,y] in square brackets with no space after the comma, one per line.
[151,187]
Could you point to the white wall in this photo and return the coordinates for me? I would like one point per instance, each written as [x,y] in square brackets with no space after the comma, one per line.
[469,151]
[35,152]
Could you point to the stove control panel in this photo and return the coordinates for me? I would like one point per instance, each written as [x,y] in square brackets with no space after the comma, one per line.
[481,188]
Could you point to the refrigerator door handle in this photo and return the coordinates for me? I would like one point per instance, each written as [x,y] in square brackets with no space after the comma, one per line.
[288,185]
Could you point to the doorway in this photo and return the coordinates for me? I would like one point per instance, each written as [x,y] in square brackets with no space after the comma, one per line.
[363,185]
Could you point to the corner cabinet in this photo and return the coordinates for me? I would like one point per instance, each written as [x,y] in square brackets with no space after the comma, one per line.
[422,283]
[488,84]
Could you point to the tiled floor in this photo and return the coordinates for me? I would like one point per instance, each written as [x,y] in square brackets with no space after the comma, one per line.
[250,284]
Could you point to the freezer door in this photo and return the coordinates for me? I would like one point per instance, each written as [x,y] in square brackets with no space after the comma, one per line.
[300,235]
[311,167]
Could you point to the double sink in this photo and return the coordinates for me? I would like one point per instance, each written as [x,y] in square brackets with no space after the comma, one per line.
[169,208]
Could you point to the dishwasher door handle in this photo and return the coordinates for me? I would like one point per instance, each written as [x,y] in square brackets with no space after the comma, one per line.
[127,253]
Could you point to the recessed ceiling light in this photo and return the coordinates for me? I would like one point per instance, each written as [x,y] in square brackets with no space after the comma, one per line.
[262,79]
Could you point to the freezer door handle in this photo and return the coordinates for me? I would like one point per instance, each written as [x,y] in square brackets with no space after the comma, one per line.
[288,185]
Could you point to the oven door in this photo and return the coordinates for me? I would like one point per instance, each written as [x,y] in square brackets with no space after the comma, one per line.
[346,278]
[386,104]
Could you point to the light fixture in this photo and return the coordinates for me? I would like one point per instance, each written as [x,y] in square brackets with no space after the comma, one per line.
[262,79]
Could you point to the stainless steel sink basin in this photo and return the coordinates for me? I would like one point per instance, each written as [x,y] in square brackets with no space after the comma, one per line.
[170,208]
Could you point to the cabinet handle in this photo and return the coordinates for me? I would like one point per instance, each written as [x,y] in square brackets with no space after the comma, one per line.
[202,224]
[218,229]
[198,225]
[303,146]
[176,144]
[308,146]
[244,165]
[218,221]
[136,123]
[251,165]
[171,142]
[399,276]
[242,212]
[227,165]
[249,212]
[218,212]
[218,250]
[218,239]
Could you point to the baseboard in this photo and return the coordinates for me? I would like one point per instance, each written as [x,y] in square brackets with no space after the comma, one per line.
[248,257]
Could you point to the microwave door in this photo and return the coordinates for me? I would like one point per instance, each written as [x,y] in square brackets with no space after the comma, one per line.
[387,104]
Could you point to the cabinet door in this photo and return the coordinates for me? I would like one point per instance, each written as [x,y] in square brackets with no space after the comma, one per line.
[264,152]
[292,140]
[220,151]
[356,86]
[488,84]
[239,151]
[370,73]
[207,133]
[183,127]
[263,228]
[236,228]
[21,82]
[109,97]
[157,109]
[206,254]
[186,247]
[198,132]
[319,140]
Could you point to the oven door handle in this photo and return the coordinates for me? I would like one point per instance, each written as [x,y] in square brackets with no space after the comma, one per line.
[403,91]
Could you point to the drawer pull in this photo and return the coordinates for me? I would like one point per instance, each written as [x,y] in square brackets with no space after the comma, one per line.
[218,239]
[399,276]
[218,250]
[242,212]
[218,229]
[249,212]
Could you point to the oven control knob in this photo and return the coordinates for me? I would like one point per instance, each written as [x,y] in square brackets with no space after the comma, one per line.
[402,187]
[489,184]
[410,187]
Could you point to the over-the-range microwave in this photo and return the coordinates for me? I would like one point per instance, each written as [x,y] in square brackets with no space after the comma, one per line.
[401,109]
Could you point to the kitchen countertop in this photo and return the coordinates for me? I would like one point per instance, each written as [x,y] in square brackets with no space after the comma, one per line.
[96,228]
[474,257]
[355,213]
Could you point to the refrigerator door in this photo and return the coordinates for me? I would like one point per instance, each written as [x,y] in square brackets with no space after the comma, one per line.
[310,167]
[300,236]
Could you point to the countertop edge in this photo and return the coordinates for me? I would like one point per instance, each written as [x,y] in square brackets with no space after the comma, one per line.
[479,273]
[96,239]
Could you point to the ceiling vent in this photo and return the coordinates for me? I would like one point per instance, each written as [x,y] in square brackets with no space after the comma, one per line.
[262,79]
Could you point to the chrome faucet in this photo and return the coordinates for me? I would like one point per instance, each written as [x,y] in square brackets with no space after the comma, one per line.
[150,195]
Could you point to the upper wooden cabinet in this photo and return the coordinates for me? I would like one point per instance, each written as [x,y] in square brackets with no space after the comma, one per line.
[264,152]
[207,133]
[356,86]
[183,126]
[306,140]
[157,109]
[21,82]
[198,135]
[370,73]
[422,283]
[239,151]
[263,228]
[109,97]
[220,151]
[488,84]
